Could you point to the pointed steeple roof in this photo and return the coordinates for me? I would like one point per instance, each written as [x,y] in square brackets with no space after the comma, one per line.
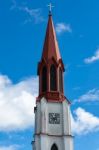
[51,49]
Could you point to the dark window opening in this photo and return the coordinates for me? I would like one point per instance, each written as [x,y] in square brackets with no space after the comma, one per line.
[44,79]
[60,80]
[53,86]
[54,147]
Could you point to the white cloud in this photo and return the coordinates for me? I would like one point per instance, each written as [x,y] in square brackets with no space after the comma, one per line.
[84,122]
[90,96]
[61,27]
[93,58]
[17,103]
[33,15]
[11,147]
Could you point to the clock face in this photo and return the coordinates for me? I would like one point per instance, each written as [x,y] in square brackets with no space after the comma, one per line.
[54,118]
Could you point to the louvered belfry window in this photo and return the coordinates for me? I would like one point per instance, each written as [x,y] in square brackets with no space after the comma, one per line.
[60,80]
[53,86]
[44,79]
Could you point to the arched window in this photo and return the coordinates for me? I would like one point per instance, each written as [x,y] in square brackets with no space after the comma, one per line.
[60,80]
[53,78]
[54,147]
[44,79]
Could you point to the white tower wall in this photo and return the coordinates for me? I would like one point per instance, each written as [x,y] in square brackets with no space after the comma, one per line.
[47,134]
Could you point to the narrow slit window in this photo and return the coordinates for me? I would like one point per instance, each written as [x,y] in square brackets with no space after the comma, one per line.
[60,80]
[53,86]
[44,79]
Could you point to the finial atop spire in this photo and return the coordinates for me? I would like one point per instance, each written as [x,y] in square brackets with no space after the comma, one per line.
[50,8]
[51,49]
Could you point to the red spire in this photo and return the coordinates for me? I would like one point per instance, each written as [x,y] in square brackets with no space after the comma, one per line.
[51,49]
[51,68]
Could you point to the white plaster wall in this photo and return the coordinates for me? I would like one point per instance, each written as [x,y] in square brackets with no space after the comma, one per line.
[56,140]
[38,118]
[37,143]
[44,142]
[66,119]
[43,115]
[48,141]
[68,143]
[42,118]
[53,133]
[55,129]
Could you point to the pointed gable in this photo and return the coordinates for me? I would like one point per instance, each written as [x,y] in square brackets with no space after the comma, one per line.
[51,49]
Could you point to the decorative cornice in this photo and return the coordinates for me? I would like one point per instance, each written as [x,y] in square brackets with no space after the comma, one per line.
[53,97]
[67,135]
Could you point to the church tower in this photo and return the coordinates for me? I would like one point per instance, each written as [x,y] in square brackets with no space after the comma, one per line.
[52,111]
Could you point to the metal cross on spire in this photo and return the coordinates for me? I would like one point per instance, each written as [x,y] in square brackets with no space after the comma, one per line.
[50,8]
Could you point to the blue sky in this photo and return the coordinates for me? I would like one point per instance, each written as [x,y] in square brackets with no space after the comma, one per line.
[22,31]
